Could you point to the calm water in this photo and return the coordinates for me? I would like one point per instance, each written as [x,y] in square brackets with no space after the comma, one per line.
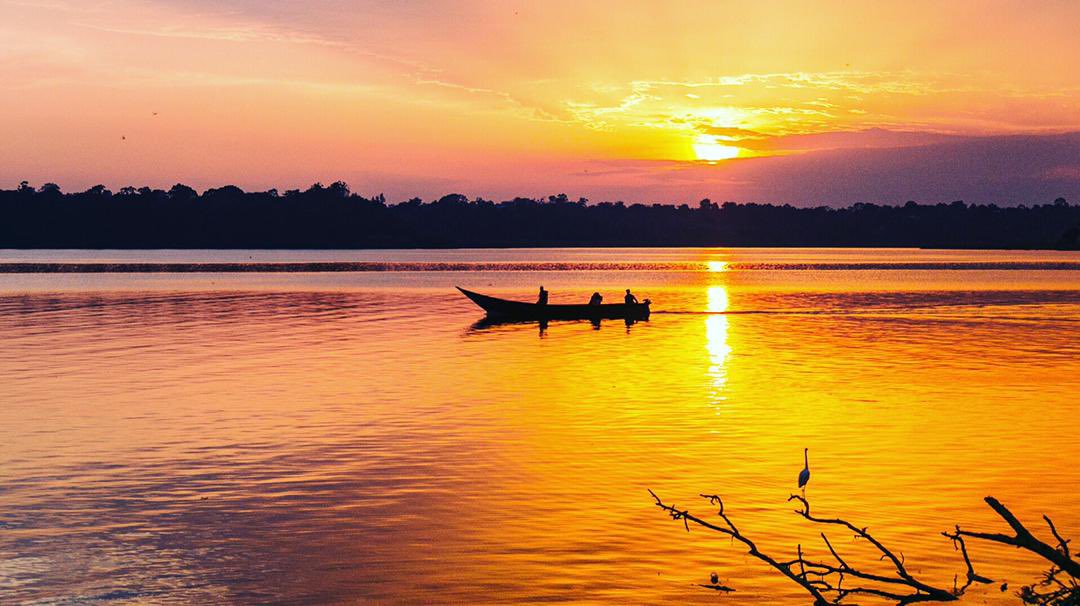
[356,437]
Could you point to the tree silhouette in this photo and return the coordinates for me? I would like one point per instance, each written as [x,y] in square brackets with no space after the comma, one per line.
[832,581]
[335,216]
[182,193]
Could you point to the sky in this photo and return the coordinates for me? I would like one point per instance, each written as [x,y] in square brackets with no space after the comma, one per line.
[787,102]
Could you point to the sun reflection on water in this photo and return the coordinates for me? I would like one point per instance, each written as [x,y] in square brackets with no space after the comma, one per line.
[716,339]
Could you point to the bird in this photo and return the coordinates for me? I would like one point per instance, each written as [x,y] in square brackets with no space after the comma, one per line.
[714,578]
[804,475]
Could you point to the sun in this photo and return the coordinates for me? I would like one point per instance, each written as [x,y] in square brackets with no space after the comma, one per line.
[709,149]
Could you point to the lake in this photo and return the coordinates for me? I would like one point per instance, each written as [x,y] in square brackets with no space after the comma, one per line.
[358,437]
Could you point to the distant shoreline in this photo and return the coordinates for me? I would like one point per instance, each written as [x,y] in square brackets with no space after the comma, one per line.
[327,218]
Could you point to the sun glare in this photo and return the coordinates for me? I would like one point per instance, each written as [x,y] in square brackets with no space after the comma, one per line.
[717,266]
[717,299]
[709,149]
[716,339]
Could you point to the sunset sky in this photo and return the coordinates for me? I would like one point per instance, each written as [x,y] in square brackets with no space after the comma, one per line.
[805,103]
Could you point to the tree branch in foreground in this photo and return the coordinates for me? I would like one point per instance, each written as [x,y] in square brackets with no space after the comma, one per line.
[825,581]
[1053,589]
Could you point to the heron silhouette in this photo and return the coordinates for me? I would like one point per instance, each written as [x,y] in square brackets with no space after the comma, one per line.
[804,475]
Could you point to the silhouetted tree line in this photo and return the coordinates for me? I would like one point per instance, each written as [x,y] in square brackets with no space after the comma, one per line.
[334,217]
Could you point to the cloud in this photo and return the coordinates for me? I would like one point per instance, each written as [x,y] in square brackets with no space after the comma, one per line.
[794,103]
[857,139]
[997,169]
[730,132]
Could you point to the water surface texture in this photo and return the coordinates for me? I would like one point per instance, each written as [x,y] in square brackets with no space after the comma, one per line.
[355,435]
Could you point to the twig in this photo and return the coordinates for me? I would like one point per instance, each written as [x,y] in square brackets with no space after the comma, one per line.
[1063,545]
[972,576]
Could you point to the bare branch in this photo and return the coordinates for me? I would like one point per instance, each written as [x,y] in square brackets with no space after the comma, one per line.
[830,584]
[733,532]
[1052,590]
[1023,538]
[972,576]
[825,581]
[1063,544]
[886,554]
[843,564]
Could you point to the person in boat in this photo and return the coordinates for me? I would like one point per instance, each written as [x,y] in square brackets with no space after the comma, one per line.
[596,299]
[542,298]
[630,299]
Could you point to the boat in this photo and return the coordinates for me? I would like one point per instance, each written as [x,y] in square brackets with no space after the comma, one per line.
[505,309]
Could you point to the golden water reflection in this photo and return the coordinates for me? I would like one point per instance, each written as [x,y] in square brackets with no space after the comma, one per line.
[716,340]
[348,438]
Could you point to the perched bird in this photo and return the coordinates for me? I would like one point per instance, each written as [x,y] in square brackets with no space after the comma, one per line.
[804,475]
[714,578]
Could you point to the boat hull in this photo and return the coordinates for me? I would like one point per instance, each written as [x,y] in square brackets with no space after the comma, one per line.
[518,310]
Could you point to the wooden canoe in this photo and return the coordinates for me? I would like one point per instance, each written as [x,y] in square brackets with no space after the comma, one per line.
[520,310]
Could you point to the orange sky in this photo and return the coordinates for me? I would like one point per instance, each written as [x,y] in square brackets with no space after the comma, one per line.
[608,100]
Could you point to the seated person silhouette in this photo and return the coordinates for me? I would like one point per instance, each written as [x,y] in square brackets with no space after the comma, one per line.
[542,299]
[629,298]
[595,299]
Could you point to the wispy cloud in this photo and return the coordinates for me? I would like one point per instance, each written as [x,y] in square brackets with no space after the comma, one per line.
[756,111]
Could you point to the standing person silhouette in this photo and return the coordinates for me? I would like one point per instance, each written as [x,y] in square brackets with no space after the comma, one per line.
[630,298]
[542,299]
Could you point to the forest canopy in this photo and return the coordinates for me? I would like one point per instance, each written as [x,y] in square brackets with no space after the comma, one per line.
[335,217]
